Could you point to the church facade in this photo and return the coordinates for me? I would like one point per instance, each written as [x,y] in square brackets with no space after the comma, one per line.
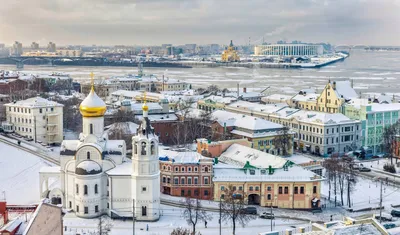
[95,176]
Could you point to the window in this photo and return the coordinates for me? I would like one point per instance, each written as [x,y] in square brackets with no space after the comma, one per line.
[144,189]
[206,169]
[88,155]
[96,209]
[77,189]
[205,180]
[222,196]
[176,169]
[189,193]
[96,190]
[296,190]
[144,211]
[222,188]
[108,182]
[108,205]
[183,169]
[108,193]
[189,169]
[263,172]
[195,169]
[205,192]
[91,129]
[77,208]
[252,172]
[196,192]
[269,188]
[280,190]
[234,188]
[189,180]
[315,189]
[40,111]
[70,204]
[301,190]
[169,180]
[251,188]
[164,180]
[196,180]
[52,109]
[86,210]
[85,190]
[286,190]
[240,188]
[182,180]
[176,181]
[269,197]
[257,188]
[182,193]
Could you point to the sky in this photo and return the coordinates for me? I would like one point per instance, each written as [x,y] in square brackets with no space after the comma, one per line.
[154,22]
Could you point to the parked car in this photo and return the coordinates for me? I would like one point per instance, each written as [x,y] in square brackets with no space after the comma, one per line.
[385,217]
[395,213]
[364,169]
[250,210]
[267,215]
[389,226]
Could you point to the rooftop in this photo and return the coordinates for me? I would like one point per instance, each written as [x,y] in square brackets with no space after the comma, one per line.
[344,90]
[35,102]
[180,157]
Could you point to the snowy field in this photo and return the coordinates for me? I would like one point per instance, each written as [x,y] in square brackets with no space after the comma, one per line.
[19,175]
[172,218]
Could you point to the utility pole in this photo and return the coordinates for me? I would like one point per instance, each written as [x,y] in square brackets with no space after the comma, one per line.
[220,215]
[271,217]
[133,215]
[380,205]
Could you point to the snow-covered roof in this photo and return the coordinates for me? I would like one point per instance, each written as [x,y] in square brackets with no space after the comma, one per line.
[126,93]
[266,108]
[159,117]
[219,99]
[226,173]
[243,121]
[88,167]
[344,90]
[305,97]
[299,159]
[385,107]
[239,155]
[50,169]
[282,98]
[128,128]
[179,157]
[124,169]
[139,106]
[93,100]
[35,102]
[12,225]
[321,117]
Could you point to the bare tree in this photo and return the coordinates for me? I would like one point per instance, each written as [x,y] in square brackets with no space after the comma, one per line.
[284,141]
[104,226]
[182,231]
[121,131]
[72,119]
[332,165]
[194,212]
[388,139]
[233,208]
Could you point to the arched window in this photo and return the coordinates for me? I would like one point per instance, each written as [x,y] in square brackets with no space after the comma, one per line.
[135,148]
[96,190]
[144,210]
[152,148]
[182,180]
[206,169]
[85,190]
[143,152]
[88,155]
[90,128]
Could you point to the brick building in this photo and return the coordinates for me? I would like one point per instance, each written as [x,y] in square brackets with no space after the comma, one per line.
[186,174]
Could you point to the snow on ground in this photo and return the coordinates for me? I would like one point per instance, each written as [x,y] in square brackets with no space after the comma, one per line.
[378,164]
[172,218]
[366,194]
[19,175]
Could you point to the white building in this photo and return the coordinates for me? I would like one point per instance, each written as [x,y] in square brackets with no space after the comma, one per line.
[37,118]
[288,50]
[97,178]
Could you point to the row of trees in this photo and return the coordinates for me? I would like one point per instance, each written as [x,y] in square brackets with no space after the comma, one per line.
[389,139]
[341,178]
[232,211]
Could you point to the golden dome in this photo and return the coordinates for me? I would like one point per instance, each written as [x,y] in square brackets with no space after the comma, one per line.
[145,107]
[92,106]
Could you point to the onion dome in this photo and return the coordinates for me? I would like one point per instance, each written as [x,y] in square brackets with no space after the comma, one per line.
[88,168]
[92,105]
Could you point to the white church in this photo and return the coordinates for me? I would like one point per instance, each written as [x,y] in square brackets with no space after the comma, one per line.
[95,177]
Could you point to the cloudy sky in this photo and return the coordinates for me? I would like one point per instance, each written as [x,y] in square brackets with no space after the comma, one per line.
[151,22]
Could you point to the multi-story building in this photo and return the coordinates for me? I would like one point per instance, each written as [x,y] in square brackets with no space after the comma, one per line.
[51,47]
[316,132]
[103,89]
[261,133]
[266,180]
[186,174]
[330,100]
[276,99]
[37,118]
[35,46]
[16,49]
[69,53]
[288,50]
[374,118]
[214,102]
[230,54]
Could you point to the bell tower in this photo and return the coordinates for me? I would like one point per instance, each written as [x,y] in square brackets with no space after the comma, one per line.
[146,171]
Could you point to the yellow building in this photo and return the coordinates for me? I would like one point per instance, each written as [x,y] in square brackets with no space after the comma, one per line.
[230,54]
[266,180]
[330,100]
[214,102]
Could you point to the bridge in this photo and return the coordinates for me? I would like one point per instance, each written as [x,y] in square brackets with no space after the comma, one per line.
[349,47]
[19,60]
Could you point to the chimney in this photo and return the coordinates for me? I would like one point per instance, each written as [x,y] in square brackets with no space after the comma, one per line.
[3,211]
[334,85]
[244,90]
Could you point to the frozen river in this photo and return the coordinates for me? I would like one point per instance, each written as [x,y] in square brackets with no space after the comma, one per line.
[372,72]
